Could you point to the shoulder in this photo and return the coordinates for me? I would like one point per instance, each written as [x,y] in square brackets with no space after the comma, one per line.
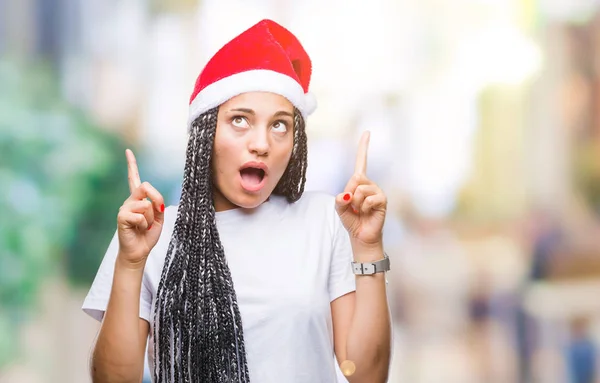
[170,215]
[158,253]
[314,208]
[311,201]
[313,204]
[317,198]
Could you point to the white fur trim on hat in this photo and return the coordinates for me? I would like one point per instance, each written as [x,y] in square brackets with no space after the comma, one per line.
[258,80]
[310,103]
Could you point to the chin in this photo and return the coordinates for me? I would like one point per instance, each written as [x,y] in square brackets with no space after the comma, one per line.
[249,201]
[238,197]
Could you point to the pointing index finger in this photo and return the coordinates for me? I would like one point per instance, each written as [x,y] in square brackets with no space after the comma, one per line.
[133,174]
[361,154]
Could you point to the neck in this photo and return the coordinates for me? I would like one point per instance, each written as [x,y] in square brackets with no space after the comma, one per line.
[221,203]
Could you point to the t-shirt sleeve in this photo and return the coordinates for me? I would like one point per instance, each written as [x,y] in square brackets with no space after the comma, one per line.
[341,278]
[96,301]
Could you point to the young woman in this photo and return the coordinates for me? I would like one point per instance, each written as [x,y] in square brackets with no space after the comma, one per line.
[248,279]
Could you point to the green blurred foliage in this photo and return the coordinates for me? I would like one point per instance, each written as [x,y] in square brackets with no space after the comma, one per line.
[62,180]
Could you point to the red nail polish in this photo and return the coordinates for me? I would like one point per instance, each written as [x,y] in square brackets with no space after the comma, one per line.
[347,197]
[149,227]
[162,208]
[354,210]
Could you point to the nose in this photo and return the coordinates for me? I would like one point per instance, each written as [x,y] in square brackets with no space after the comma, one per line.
[259,142]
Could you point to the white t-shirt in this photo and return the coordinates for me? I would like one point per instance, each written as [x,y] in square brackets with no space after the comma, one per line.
[288,262]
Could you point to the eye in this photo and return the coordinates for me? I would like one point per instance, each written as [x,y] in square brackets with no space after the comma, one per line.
[280,127]
[239,122]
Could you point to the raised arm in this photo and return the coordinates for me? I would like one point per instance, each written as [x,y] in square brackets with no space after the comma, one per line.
[118,354]
[361,319]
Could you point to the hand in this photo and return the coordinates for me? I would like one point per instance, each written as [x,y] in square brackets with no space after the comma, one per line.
[362,206]
[140,220]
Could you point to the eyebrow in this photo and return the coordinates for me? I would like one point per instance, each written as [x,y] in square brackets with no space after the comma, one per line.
[250,111]
[283,113]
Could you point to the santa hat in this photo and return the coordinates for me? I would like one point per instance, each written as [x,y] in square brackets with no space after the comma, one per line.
[266,57]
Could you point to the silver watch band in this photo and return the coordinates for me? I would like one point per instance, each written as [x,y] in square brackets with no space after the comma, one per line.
[369,268]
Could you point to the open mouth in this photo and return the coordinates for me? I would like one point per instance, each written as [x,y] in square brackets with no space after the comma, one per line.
[253,178]
[252,175]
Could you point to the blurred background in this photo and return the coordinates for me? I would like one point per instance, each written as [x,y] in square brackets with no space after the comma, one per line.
[485,126]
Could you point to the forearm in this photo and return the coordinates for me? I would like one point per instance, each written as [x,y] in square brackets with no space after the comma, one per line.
[119,352]
[369,339]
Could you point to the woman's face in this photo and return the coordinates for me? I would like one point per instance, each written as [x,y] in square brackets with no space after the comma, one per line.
[253,145]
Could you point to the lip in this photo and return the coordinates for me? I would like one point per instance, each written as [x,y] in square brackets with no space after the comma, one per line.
[263,182]
[257,165]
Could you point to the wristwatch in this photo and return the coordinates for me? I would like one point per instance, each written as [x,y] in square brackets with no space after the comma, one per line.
[369,268]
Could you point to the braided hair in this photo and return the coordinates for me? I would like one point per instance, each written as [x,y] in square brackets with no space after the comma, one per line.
[198,333]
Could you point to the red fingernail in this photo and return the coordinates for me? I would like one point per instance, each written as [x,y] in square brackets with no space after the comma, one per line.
[149,227]
[354,210]
[162,208]
[347,197]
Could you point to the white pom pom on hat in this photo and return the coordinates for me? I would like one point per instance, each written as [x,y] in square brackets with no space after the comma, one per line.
[266,57]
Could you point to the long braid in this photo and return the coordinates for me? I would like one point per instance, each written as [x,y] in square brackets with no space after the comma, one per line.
[198,331]
[291,184]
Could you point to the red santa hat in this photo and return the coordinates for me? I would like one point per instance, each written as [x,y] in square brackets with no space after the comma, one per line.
[266,57]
